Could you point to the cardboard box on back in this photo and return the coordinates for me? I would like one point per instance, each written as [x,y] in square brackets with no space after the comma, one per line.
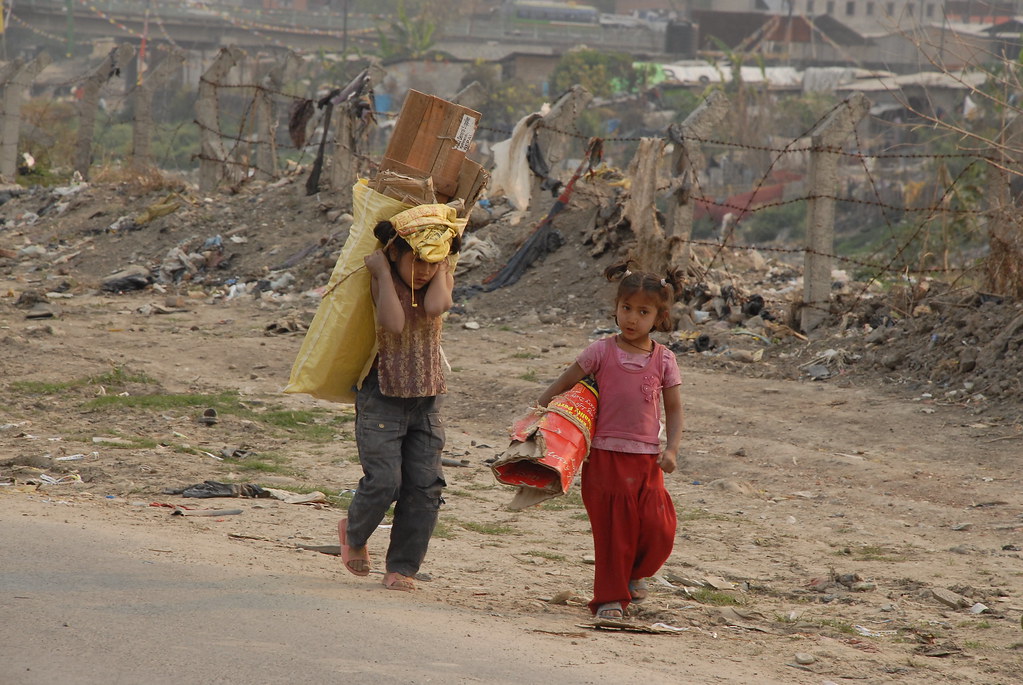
[430,139]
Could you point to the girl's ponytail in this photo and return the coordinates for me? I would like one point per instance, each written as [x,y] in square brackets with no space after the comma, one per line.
[384,232]
[617,272]
[674,279]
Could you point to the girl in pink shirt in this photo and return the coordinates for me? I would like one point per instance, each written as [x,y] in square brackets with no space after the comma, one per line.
[631,513]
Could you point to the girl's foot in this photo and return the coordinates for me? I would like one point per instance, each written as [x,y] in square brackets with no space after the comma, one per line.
[356,559]
[396,581]
[638,589]
[611,611]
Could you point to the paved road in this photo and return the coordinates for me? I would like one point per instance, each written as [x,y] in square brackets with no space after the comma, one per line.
[77,607]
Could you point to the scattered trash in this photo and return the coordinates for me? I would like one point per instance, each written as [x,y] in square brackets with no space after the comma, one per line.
[286,326]
[867,632]
[949,598]
[946,649]
[212,488]
[829,361]
[288,497]
[626,626]
[745,356]
[50,480]
[178,511]
[447,461]
[132,278]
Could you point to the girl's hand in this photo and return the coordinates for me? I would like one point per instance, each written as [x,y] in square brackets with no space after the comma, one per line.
[377,263]
[666,461]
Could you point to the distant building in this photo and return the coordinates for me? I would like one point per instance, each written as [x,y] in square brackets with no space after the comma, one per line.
[870,17]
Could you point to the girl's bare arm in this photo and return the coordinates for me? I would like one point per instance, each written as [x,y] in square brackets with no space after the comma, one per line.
[673,419]
[566,380]
[438,293]
[390,315]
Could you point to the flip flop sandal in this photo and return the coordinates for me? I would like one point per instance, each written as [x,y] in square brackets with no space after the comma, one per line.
[346,552]
[611,611]
[638,589]
[396,581]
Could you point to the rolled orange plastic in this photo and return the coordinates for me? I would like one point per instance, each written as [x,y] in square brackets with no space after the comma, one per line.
[549,446]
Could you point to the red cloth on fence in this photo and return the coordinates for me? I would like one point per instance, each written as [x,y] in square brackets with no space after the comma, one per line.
[632,518]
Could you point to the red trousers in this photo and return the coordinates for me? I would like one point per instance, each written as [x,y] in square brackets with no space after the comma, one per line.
[632,518]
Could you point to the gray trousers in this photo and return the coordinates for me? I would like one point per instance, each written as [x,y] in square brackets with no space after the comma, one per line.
[400,441]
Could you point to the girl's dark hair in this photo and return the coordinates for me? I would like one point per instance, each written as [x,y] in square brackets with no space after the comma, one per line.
[665,288]
[384,232]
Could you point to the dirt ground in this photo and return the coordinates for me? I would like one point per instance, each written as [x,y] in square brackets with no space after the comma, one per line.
[848,503]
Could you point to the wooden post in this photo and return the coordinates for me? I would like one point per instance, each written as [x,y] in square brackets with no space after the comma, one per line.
[266,121]
[111,66]
[15,78]
[549,135]
[1004,260]
[142,132]
[686,163]
[827,140]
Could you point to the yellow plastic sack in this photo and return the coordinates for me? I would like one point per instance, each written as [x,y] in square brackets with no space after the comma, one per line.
[341,341]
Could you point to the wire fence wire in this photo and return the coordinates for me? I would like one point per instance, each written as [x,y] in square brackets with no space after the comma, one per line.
[906,222]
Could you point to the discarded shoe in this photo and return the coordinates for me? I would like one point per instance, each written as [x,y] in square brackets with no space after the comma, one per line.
[209,417]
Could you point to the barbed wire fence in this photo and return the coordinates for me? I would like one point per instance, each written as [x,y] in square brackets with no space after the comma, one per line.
[243,101]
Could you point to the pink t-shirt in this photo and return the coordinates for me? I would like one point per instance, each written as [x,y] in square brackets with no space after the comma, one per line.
[630,385]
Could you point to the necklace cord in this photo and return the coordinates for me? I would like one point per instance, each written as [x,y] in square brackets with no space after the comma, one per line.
[635,346]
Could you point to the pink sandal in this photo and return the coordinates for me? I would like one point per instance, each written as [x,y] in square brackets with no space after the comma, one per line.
[356,564]
[396,581]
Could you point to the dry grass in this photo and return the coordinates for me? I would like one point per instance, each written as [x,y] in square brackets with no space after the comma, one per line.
[138,178]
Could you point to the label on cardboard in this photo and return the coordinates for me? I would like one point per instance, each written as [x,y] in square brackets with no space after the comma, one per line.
[465,133]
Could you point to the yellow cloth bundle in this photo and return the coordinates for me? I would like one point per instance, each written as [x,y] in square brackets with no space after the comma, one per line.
[428,229]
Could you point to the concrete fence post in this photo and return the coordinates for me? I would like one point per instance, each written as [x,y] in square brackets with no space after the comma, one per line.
[111,66]
[351,134]
[212,154]
[827,139]
[142,132]
[472,96]
[550,136]
[641,206]
[266,119]
[15,77]
[687,160]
